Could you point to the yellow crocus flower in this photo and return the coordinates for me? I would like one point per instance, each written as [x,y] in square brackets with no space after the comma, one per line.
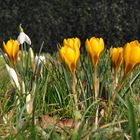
[11,48]
[72,43]
[116,55]
[94,47]
[70,53]
[131,55]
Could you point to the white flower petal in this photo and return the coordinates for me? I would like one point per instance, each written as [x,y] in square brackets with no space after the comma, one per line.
[27,39]
[13,76]
[21,38]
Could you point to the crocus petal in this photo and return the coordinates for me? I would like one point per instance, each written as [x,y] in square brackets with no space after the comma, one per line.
[131,56]
[88,47]
[94,47]
[65,42]
[134,43]
[8,48]
[77,43]
[101,44]
[15,51]
[61,54]
[70,53]
[77,55]
[71,42]
[69,59]
[13,76]
[116,55]
[11,48]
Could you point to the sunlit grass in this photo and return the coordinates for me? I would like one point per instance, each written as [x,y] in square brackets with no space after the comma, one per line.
[53,98]
[51,104]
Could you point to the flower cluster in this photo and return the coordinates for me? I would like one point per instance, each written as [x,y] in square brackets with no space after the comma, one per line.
[129,56]
[11,49]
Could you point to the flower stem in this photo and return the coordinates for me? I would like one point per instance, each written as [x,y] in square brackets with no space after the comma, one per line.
[117,88]
[95,83]
[115,82]
[96,117]
[96,91]
[115,91]
[75,103]
[74,82]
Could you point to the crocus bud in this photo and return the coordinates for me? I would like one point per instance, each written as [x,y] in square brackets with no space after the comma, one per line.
[131,55]
[11,48]
[94,47]
[70,53]
[116,55]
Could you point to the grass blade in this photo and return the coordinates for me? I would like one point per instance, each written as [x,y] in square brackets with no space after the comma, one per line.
[132,121]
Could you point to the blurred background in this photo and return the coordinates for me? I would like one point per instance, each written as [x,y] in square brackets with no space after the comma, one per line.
[51,21]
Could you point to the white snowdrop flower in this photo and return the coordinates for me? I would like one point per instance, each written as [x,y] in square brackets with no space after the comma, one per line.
[40,59]
[13,76]
[23,38]
[29,104]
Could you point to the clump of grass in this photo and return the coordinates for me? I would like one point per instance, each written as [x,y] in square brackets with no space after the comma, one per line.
[61,101]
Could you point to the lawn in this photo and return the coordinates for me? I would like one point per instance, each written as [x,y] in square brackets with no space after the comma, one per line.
[65,95]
